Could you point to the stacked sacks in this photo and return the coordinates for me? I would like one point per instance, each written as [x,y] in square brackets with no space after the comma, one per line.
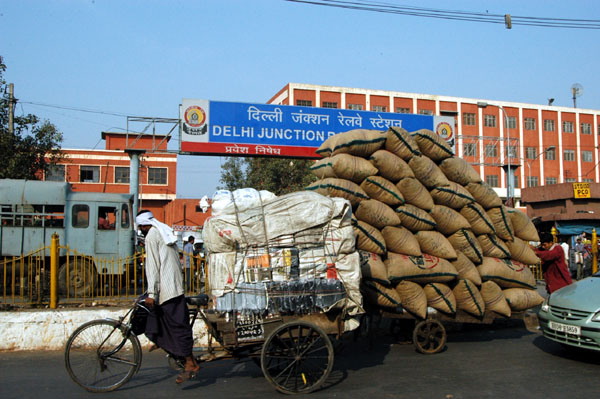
[433,223]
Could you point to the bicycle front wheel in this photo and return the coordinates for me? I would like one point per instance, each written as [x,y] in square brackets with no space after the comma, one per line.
[100,357]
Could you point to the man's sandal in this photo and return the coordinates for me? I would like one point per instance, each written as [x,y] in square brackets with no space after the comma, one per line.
[187,375]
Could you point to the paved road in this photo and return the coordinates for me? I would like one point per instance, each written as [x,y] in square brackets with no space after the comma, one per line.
[498,361]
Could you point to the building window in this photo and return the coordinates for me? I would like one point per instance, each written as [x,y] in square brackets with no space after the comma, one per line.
[489,120]
[570,180]
[569,155]
[469,119]
[567,127]
[304,103]
[587,156]
[512,122]
[329,104]
[551,180]
[532,181]
[588,180]
[529,124]
[425,112]
[379,108]
[586,128]
[548,125]
[55,173]
[355,107]
[470,149]
[121,175]
[492,180]
[89,174]
[401,110]
[550,154]
[491,150]
[157,175]
[530,152]
[511,151]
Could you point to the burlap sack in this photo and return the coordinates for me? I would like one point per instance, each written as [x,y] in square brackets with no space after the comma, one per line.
[401,241]
[520,251]
[448,221]
[494,299]
[502,222]
[377,214]
[381,189]
[353,168]
[322,168]
[326,148]
[415,193]
[432,145]
[427,172]
[506,273]
[522,299]
[459,171]
[453,196]
[522,225]
[379,295]
[465,241]
[359,142]
[373,268]
[478,218]
[414,218]
[466,269]
[484,195]
[333,187]
[422,269]
[368,238]
[412,298]
[468,298]
[401,143]
[434,243]
[492,246]
[390,166]
[440,297]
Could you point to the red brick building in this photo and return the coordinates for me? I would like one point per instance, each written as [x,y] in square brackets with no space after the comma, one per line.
[551,145]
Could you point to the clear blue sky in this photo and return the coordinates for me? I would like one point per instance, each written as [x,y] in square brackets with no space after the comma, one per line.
[142,57]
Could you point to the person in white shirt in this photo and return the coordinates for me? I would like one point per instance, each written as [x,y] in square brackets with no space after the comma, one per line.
[170,329]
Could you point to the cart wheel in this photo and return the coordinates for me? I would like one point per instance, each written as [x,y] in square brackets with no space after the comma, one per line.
[429,336]
[297,357]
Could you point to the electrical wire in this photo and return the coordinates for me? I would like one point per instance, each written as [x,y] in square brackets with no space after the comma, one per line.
[455,14]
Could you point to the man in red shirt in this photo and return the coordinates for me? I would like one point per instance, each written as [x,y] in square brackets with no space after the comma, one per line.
[554,267]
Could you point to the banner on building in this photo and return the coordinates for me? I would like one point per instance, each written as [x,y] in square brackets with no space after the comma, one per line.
[242,129]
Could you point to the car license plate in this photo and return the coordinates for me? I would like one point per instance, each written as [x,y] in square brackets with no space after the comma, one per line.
[575,330]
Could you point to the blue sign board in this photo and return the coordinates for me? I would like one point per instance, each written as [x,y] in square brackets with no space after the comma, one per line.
[228,128]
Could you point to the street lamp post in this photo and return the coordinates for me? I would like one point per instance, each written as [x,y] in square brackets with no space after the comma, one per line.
[509,181]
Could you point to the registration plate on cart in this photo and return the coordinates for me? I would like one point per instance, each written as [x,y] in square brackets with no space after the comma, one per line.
[566,328]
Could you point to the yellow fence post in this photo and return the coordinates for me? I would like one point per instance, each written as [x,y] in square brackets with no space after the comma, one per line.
[594,251]
[54,272]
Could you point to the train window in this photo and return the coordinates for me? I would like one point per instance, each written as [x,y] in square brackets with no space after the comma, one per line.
[106,217]
[81,216]
[124,216]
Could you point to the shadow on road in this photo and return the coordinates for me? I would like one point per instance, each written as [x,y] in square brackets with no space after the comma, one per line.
[566,352]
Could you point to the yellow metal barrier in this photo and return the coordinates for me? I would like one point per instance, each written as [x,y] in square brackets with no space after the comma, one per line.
[75,278]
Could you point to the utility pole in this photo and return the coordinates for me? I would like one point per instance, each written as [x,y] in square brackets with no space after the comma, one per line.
[11,100]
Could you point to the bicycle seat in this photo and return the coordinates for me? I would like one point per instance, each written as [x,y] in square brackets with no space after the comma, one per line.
[198,300]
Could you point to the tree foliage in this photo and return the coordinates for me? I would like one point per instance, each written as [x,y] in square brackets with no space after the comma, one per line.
[32,147]
[278,175]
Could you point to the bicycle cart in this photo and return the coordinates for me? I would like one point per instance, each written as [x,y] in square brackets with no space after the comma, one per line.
[295,352]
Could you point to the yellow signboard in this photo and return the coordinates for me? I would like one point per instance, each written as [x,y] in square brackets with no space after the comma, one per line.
[581,190]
